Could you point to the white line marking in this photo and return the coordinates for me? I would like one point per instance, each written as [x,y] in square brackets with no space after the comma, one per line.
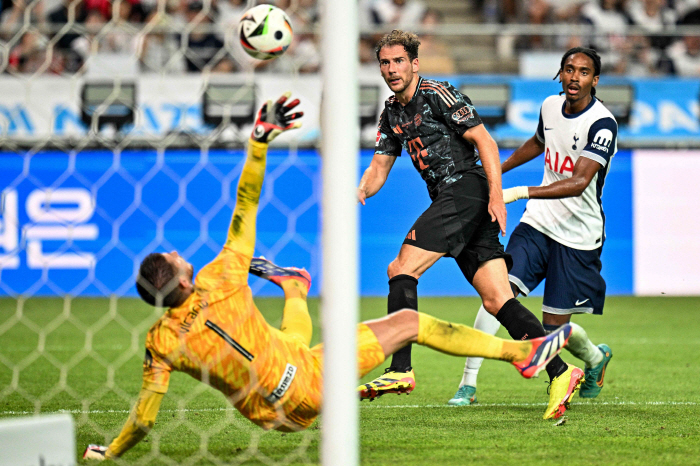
[374,406]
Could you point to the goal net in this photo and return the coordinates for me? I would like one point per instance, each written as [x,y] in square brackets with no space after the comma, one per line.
[122,132]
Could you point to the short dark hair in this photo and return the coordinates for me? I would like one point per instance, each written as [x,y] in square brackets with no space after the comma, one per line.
[157,283]
[590,53]
[409,41]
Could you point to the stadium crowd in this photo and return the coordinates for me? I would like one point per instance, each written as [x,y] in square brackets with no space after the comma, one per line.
[177,36]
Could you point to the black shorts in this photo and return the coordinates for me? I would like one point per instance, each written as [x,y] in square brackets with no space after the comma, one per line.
[458,224]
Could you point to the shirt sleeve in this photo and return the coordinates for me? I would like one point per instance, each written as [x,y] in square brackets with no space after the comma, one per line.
[602,141]
[456,108]
[156,372]
[387,143]
[540,129]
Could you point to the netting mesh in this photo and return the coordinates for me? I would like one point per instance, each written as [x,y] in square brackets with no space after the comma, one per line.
[87,193]
[78,224]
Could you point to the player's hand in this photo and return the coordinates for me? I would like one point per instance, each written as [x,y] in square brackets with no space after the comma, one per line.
[497,210]
[513,194]
[95,452]
[361,196]
[275,118]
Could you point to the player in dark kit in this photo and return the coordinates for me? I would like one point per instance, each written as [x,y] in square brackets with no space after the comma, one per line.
[440,129]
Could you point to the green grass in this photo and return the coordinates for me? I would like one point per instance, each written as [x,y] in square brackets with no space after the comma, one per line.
[648,412]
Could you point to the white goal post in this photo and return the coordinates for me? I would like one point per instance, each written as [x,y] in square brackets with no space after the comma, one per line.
[339,291]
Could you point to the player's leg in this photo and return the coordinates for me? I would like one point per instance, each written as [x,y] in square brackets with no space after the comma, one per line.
[401,328]
[466,393]
[295,283]
[403,272]
[529,252]
[574,286]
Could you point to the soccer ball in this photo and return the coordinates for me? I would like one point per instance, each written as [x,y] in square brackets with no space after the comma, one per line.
[265,32]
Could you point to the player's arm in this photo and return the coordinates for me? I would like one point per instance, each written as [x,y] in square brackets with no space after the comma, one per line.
[490,160]
[584,171]
[386,149]
[375,176]
[141,420]
[602,144]
[272,120]
[523,154]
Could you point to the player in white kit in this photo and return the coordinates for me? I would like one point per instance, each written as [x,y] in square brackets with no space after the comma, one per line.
[561,234]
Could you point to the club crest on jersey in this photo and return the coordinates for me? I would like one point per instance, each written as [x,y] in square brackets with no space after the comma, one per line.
[575,141]
[463,114]
[602,140]
[418,119]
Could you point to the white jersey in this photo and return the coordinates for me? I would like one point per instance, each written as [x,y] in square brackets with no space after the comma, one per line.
[576,222]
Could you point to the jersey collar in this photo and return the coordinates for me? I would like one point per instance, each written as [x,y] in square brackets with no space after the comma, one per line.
[576,115]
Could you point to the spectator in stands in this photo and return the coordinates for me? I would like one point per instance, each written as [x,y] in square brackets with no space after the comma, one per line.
[402,14]
[610,22]
[435,56]
[684,55]
[29,55]
[204,49]
[59,17]
[12,17]
[652,16]
[157,51]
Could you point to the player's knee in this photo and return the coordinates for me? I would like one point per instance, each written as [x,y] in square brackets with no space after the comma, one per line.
[493,305]
[405,322]
[394,269]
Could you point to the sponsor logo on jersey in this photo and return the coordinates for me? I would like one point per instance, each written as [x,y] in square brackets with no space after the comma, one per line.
[285,382]
[553,163]
[463,114]
[602,140]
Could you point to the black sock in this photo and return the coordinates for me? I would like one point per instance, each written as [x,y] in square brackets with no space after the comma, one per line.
[403,293]
[549,328]
[523,325]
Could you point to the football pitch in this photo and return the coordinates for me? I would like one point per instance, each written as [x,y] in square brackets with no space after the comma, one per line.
[648,412]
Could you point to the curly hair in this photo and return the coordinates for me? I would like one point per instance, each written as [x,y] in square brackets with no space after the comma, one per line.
[409,41]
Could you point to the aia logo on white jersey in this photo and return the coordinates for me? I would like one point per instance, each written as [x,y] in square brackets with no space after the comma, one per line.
[602,140]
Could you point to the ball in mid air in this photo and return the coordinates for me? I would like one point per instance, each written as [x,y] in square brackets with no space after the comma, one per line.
[265,32]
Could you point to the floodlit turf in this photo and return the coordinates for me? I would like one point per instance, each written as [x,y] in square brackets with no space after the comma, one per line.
[648,412]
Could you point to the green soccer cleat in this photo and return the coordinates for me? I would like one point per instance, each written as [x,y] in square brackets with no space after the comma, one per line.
[465,396]
[595,375]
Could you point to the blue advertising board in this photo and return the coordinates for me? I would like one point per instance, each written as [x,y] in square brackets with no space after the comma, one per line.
[80,223]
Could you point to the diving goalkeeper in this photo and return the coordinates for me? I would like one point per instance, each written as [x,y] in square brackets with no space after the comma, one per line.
[213,331]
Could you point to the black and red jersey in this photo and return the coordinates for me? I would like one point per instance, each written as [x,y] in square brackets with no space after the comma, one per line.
[430,128]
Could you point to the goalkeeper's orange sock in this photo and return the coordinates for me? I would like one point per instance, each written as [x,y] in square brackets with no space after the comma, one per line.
[460,340]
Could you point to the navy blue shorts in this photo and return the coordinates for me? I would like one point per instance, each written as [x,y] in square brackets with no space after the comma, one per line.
[574,284]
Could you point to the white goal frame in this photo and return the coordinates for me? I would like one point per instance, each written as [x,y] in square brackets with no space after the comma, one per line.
[339,290]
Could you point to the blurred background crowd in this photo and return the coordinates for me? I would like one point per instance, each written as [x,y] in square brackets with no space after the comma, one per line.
[102,37]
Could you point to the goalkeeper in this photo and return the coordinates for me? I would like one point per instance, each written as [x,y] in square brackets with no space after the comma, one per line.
[214,332]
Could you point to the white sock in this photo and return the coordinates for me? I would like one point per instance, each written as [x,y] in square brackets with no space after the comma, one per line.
[487,324]
[580,346]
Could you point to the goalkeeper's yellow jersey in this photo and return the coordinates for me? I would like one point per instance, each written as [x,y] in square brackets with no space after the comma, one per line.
[219,336]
